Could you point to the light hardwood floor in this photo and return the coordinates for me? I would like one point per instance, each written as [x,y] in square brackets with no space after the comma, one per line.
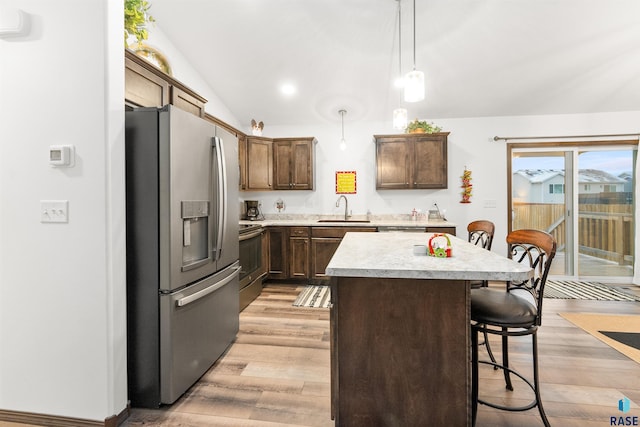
[277,372]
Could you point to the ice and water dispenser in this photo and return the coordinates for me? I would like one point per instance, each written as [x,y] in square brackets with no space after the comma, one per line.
[195,234]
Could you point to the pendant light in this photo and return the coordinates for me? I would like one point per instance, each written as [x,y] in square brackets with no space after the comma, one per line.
[343,142]
[400,114]
[400,118]
[414,80]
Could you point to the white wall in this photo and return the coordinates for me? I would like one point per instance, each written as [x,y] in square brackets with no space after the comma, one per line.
[471,145]
[62,286]
[184,72]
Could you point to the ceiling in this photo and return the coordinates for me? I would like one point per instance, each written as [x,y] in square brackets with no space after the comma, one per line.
[480,57]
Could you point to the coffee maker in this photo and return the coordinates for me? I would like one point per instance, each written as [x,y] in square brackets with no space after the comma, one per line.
[253,210]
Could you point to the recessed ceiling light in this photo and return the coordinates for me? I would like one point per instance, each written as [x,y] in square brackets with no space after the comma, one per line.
[288,89]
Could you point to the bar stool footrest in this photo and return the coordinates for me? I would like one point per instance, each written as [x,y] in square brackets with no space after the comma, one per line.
[531,405]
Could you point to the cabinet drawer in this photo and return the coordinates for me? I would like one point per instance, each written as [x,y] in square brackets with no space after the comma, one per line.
[338,231]
[299,232]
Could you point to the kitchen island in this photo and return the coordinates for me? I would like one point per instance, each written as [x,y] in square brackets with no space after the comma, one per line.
[400,334]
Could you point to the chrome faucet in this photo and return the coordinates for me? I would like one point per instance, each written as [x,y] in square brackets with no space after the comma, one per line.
[346,206]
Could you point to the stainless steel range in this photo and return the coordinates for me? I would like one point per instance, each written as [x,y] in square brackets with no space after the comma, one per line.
[253,270]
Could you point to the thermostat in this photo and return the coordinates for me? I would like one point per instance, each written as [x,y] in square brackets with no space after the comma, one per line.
[61,155]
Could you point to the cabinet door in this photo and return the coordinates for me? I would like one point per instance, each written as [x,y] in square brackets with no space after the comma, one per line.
[293,163]
[430,162]
[282,154]
[278,242]
[259,164]
[393,164]
[299,252]
[301,165]
[143,88]
[299,257]
[322,249]
[324,243]
[187,102]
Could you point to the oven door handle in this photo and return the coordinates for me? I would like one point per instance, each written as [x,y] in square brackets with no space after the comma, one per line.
[251,235]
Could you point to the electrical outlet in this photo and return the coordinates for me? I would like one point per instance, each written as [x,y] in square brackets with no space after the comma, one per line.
[54,211]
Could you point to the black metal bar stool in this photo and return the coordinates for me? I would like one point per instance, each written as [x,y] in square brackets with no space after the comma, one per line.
[480,233]
[516,311]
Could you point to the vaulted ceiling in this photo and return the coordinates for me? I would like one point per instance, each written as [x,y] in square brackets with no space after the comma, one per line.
[480,57]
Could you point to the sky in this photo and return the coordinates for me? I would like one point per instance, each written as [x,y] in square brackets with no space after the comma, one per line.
[614,162]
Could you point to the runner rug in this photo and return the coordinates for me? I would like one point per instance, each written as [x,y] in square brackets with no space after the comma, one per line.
[569,289]
[621,332]
[314,296]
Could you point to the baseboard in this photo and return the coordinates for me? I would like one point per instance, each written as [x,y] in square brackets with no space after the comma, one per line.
[57,421]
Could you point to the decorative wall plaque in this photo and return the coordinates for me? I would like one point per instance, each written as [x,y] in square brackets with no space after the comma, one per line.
[345,182]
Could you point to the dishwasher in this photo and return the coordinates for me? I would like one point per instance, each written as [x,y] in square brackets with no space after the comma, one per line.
[402,228]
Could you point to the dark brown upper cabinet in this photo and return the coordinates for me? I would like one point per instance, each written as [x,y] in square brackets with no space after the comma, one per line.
[411,161]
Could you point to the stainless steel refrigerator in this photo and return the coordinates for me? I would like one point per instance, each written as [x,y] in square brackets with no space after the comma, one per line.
[182,250]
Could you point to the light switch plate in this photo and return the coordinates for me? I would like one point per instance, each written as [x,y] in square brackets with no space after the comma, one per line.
[490,203]
[54,211]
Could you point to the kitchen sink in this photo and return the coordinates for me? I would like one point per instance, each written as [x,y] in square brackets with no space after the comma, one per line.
[343,220]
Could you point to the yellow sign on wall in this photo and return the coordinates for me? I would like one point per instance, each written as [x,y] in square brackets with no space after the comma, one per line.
[345,182]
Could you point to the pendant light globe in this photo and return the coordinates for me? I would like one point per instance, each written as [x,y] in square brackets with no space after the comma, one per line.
[414,86]
[400,118]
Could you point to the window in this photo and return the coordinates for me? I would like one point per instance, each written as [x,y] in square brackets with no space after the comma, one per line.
[609,188]
[556,188]
[587,187]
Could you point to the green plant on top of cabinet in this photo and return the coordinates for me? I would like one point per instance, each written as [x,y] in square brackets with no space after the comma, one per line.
[293,163]
[411,161]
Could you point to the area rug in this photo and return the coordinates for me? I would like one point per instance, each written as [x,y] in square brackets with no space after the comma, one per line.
[314,296]
[621,332]
[569,289]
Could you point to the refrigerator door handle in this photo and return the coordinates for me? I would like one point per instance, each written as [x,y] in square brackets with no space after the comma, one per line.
[222,192]
[206,291]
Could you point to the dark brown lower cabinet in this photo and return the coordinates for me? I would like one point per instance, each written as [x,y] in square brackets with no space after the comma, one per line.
[400,353]
[299,252]
[278,253]
[324,242]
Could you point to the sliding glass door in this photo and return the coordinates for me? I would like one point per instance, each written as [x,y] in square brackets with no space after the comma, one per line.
[605,212]
[540,195]
[582,194]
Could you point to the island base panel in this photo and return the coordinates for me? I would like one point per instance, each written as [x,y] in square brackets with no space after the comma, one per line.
[400,352]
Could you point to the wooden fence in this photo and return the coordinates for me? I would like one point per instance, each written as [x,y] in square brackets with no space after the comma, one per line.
[605,231]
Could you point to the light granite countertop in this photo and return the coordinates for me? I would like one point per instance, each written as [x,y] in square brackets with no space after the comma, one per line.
[313,221]
[392,255]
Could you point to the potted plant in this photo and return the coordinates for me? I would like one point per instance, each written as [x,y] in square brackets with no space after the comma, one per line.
[422,126]
[136,17]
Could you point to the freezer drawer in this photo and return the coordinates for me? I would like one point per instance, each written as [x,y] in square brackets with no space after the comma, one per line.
[197,324]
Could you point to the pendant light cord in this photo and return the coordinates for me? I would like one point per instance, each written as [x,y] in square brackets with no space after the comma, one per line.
[400,37]
[414,35]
